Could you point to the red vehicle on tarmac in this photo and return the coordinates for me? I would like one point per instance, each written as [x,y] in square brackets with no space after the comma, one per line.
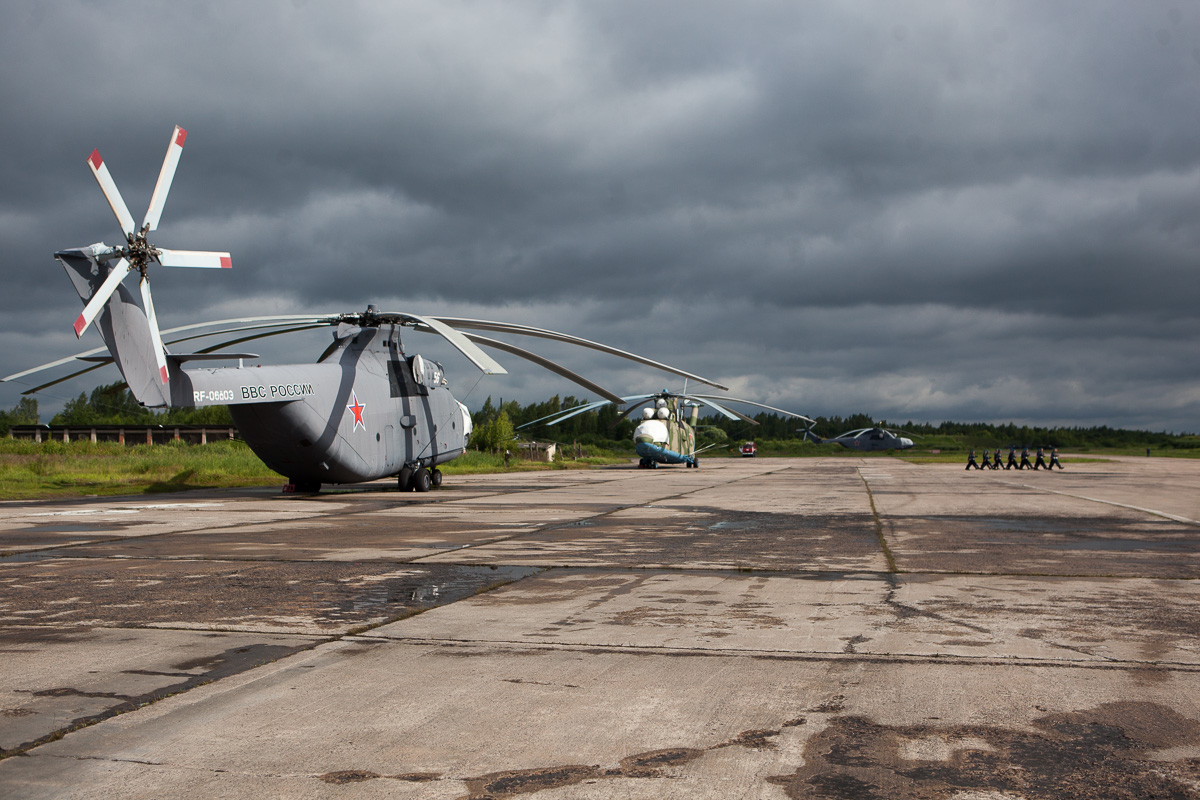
[749,449]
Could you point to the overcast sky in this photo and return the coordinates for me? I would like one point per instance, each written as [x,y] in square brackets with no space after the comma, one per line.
[920,211]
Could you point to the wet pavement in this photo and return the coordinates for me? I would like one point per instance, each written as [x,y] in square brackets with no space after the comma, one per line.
[769,628]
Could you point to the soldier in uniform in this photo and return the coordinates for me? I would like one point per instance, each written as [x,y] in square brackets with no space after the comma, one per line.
[971,462]
[1041,461]
[987,459]
[1025,459]
[1054,462]
[1012,458]
[996,461]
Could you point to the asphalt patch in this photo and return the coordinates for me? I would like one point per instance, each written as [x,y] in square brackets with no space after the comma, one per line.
[1106,752]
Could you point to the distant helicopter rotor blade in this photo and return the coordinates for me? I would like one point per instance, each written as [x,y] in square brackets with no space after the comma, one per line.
[545,362]
[526,330]
[165,176]
[203,259]
[567,413]
[96,304]
[728,412]
[111,193]
[752,403]
[159,356]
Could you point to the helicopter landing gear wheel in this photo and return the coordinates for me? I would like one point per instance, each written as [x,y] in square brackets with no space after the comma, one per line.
[695,463]
[404,479]
[436,476]
[306,487]
[422,481]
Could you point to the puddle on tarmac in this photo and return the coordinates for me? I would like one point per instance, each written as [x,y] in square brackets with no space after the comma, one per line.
[432,586]
[34,556]
[59,527]
[1122,545]
[732,525]
[1012,524]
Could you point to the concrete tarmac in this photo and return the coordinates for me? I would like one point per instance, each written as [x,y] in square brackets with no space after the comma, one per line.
[757,628]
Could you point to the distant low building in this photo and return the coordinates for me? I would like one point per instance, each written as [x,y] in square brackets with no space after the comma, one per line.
[538,451]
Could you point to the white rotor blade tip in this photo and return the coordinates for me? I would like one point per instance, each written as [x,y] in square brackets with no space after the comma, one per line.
[194,258]
[165,176]
[111,193]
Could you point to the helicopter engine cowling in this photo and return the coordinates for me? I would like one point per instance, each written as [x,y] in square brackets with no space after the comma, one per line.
[651,431]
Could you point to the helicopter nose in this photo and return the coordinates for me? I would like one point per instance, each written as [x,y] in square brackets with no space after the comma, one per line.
[905,442]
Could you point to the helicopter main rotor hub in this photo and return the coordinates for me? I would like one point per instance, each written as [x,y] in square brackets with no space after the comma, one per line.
[139,252]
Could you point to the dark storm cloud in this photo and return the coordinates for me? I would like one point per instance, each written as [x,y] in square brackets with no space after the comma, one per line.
[921,211]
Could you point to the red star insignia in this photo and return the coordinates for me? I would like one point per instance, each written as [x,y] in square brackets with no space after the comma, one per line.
[358,409]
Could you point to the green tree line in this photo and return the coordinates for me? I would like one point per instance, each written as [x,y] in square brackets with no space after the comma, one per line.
[496,424]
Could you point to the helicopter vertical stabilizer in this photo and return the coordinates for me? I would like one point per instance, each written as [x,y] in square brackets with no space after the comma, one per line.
[123,324]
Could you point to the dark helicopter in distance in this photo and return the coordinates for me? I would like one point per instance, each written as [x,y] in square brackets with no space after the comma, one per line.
[865,439]
[365,410]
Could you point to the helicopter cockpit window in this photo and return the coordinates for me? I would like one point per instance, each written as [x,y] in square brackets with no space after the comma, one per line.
[401,379]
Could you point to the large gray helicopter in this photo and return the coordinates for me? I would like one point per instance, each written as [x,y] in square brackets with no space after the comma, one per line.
[365,410]
[866,439]
[667,431]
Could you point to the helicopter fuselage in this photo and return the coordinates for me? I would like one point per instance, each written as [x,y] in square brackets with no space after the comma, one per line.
[364,412]
[667,440]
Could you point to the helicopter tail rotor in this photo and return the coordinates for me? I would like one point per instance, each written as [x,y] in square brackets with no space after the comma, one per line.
[136,254]
[810,436]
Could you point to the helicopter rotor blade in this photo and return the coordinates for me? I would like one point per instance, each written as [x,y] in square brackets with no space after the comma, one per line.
[545,362]
[267,321]
[96,304]
[204,259]
[165,176]
[486,363]
[111,193]
[567,413]
[156,337]
[65,378]
[752,403]
[728,412]
[526,330]
[214,347]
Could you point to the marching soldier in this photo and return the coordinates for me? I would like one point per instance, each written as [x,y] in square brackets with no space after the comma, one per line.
[1025,459]
[996,461]
[1054,462]
[1041,461]
[971,462]
[1012,458]
[987,459]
